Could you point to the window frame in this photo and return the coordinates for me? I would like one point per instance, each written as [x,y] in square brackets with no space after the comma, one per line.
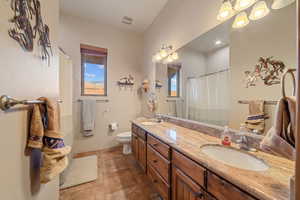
[95,50]
[178,69]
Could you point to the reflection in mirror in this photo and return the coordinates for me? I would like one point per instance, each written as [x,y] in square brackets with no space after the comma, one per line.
[216,69]
[173,80]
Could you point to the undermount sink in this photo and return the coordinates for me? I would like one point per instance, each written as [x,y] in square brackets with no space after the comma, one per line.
[149,123]
[234,157]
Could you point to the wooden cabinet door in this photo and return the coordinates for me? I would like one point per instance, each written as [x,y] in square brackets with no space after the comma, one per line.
[142,146]
[135,148]
[184,188]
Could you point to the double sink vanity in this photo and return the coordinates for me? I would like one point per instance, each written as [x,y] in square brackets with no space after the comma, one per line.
[184,164]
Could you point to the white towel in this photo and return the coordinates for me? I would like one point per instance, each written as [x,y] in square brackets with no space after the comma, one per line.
[88,117]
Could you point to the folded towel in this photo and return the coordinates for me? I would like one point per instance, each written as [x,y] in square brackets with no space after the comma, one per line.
[280,139]
[44,134]
[256,117]
[88,117]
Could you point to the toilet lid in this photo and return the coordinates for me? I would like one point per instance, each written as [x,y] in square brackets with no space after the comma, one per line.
[125,135]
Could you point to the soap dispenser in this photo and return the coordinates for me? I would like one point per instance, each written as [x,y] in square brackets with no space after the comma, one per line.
[226,137]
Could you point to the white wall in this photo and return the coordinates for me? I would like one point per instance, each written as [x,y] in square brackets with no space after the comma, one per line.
[193,64]
[178,23]
[24,76]
[124,58]
[274,35]
[218,60]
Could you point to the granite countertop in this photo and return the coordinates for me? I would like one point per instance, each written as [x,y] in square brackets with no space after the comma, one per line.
[272,184]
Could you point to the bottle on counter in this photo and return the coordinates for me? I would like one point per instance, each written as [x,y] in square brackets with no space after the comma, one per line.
[226,137]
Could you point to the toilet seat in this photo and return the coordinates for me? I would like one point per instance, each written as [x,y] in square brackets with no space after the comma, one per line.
[125,135]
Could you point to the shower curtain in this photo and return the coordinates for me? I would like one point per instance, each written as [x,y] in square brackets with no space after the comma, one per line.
[208,98]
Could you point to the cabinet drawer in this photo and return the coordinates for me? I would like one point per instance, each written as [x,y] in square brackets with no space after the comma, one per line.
[141,133]
[159,163]
[189,167]
[160,185]
[159,146]
[224,190]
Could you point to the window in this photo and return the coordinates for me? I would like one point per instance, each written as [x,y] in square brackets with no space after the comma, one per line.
[174,80]
[93,71]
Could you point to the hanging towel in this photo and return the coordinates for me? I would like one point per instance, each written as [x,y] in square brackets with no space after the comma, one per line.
[280,139]
[88,116]
[44,134]
[256,117]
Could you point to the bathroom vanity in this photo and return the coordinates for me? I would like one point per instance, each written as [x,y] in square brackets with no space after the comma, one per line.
[172,158]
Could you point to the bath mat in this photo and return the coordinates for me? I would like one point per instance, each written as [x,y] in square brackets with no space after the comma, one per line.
[81,171]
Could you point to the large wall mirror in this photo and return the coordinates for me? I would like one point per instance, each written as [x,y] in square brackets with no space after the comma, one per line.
[211,82]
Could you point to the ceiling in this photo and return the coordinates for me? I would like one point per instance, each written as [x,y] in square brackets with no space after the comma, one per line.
[207,42]
[111,12]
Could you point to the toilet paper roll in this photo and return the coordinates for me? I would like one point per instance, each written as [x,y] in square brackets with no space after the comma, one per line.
[113,126]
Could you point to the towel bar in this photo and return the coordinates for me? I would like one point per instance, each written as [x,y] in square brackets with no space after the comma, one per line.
[266,102]
[6,102]
[98,100]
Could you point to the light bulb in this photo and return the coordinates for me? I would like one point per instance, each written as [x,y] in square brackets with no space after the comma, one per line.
[259,10]
[163,53]
[218,42]
[241,20]
[175,56]
[169,59]
[243,4]
[278,4]
[158,57]
[225,11]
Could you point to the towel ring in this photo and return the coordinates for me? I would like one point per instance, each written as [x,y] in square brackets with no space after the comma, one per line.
[291,72]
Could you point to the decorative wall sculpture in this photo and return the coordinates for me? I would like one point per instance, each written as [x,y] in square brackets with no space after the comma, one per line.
[268,70]
[26,13]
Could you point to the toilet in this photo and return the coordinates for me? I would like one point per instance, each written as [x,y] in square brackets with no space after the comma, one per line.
[125,140]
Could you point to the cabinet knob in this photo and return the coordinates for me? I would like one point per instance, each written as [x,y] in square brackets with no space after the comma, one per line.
[199,194]
[155,161]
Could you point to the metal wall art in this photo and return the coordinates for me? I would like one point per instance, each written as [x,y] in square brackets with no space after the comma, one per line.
[29,25]
[268,70]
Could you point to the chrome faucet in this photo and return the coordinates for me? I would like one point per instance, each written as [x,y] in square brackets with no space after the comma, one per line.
[244,143]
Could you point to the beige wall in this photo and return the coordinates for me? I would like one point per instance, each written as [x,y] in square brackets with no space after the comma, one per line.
[124,58]
[178,23]
[274,35]
[24,76]
[193,63]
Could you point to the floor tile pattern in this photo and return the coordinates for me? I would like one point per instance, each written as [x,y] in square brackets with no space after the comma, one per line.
[119,178]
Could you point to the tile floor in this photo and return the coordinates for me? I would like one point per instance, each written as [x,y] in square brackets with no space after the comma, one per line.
[119,178]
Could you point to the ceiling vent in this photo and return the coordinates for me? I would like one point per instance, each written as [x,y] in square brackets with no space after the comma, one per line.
[127,20]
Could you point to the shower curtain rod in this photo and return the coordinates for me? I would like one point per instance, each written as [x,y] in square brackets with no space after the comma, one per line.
[209,74]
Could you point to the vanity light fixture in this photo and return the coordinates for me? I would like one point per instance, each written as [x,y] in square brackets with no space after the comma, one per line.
[243,4]
[241,20]
[260,10]
[175,56]
[226,11]
[165,54]
[169,59]
[278,4]
[157,57]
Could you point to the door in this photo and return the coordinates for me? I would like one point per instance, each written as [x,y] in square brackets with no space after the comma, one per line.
[134,144]
[184,188]
[142,153]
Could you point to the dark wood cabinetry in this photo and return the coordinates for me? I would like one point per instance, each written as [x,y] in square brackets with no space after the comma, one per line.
[184,188]
[176,176]
[142,153]
[139,146]
[223,190]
